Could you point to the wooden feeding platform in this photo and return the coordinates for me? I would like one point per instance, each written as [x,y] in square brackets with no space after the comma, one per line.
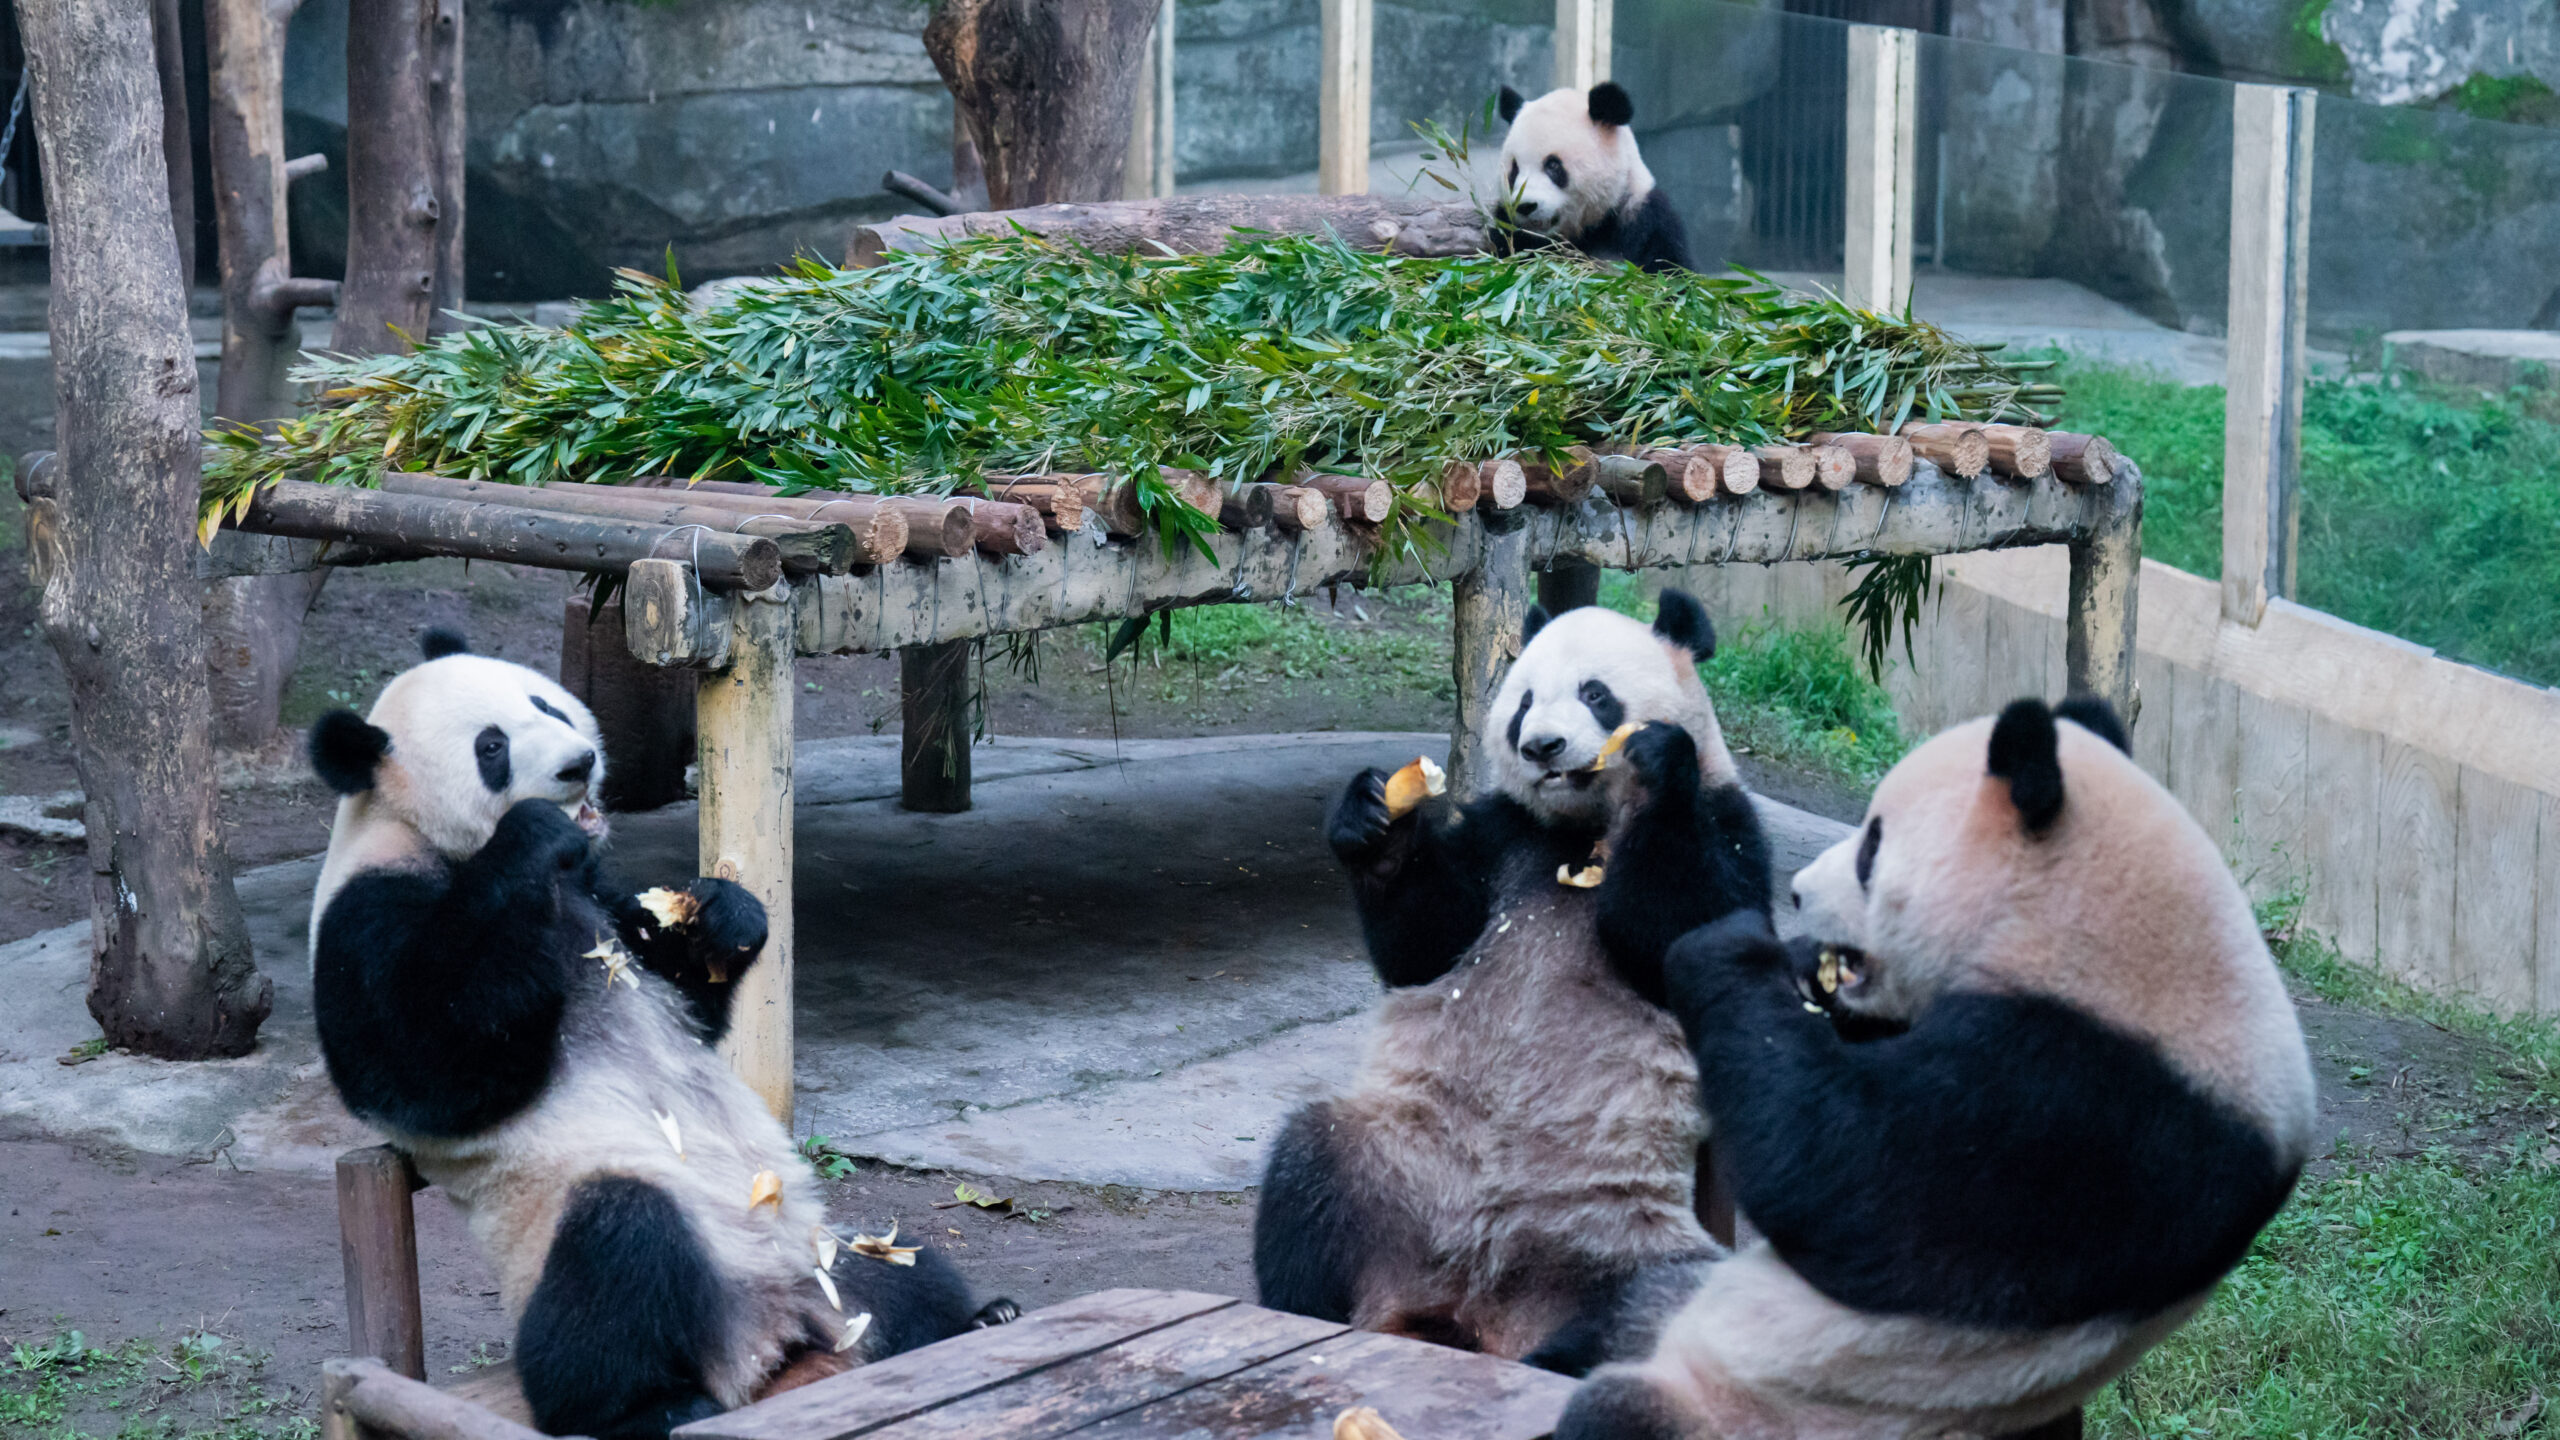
[734,584]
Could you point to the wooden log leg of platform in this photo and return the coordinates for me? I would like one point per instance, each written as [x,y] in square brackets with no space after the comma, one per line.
[933,740]
[1491,601]
[643,711]
[2106,586]
[1568,585]
[378,1236]
[744,714]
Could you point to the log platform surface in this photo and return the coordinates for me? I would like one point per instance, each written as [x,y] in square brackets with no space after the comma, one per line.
[1144,1364]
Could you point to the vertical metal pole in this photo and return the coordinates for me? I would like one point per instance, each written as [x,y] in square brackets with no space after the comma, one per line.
[1149,171]
[1884,123]
[1161,162]
[744,715]
[1342,128]
[1582,42]
[2262,380]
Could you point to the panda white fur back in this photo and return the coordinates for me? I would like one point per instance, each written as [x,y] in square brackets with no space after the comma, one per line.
[1571,171]
[540,1045]
[2059,1090]
[1518,1155]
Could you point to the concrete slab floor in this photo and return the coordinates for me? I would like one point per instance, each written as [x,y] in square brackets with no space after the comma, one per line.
[1122,967]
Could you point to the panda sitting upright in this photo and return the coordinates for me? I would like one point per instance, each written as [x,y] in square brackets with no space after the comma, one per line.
[1514,1169]
[1571,173]
[540,1045]
[2071,1091]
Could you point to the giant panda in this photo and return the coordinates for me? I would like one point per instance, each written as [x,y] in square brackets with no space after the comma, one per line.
[539,1043]
[1512,1170]
[1571,173]
[2060,1090]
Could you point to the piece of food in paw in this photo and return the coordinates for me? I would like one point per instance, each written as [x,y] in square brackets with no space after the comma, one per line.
[1589,874]
[1409,787]
[1616,742]
[674,909]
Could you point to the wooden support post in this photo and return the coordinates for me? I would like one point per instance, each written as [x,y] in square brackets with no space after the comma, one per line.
[1150,169]
[1491,601]
[1342,125]
[2106,586]
[2270,280]
[744,715]
[644,712]
[1568,584]
[1884,111]
[378,1238]
[933,741]
[1582,42]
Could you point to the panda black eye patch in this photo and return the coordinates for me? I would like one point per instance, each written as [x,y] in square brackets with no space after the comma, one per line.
[1556,173]
[490,749]
[1604,704]
[1519,715]
[547,708]
[1867,844]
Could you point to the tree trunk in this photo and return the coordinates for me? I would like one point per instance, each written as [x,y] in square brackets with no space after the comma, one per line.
[393,163]
[177,141]
[110,538]
[1047,88]
[445,143]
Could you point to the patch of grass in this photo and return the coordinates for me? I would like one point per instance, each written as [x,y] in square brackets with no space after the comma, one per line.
[1396,643]
[2427,513]
[2422,1299]
[1794,697]
[2515,99]
[199,1387]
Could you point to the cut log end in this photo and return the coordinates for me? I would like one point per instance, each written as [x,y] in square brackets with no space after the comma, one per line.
[1786,467]
[1460,486]
[2083,459]
[1001,528]
[1881,459]
[1958,449]
[2019,452]
[1505,483]
[1297,509]
[1368,501]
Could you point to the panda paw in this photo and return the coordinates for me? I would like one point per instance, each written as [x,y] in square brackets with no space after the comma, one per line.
[1358,828]
[535,840]
[1741,946]
[729,920]
[1662,759]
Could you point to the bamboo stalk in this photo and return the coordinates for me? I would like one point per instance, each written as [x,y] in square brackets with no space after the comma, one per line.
[2020,452]
[807,547]
[1881,459]
[1960,449]
[2083,459]
[1368,501]
[1505,484]
[1788,467]
[1001,527]
[1737,468]
[879,531]
[418,525]
[1460,486]
[1297,509]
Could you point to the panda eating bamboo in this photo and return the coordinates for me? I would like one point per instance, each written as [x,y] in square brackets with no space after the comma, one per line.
[539,1043]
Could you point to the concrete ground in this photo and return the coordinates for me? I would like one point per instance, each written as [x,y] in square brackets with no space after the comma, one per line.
[1122,968]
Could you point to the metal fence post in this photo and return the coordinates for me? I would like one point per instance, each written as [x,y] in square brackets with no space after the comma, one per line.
[1582,42]
[2262,376]
[1884,87]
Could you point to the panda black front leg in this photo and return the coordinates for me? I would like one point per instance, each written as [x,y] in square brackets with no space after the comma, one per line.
[1684,856]
[628,1300]
[1420,903]
[706,955]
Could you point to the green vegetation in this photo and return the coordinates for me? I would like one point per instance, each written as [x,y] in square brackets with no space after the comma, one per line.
[994,354]
[198,1388]
[2428,513]
[2515,99]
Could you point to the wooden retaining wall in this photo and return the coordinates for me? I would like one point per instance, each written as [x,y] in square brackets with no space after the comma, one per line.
[2413,801]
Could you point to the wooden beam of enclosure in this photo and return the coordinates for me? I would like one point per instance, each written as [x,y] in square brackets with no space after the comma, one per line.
[2270,286]
[1342,124]
[361,1399]
[378,1240]
[1583,36]
[743,715]
[900,605]
[1884,114]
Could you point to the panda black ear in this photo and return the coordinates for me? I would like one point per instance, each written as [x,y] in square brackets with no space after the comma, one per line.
[1533,622]
[439,642]
[2093,714]
[345,751]
[1683,621]
[1610,104]
[2025,751]
[1510,103]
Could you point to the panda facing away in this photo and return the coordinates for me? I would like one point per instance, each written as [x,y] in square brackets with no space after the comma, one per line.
[1513,1169]
[2061,1090]
[540,1045]
[1571,172]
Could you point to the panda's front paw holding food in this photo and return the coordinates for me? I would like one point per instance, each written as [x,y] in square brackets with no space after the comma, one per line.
[1662,759]
[534,839]
[728,920]
[1358,829]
